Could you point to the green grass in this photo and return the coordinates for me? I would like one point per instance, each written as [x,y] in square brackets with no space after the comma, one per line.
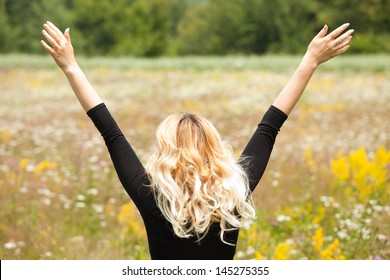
[61,198]
[280,63]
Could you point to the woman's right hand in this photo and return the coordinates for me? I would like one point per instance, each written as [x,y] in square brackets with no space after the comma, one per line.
[61,48]
[324,47]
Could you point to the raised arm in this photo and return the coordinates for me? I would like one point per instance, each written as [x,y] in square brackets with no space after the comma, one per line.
[258,150]
[322,48]
[61,50]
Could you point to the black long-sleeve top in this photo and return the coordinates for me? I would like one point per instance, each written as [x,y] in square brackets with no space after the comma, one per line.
[163,243]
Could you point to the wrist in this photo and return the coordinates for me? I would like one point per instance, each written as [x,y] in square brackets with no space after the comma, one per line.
[71,69]
[310,62]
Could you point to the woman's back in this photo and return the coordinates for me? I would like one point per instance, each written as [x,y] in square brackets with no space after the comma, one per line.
[163,242]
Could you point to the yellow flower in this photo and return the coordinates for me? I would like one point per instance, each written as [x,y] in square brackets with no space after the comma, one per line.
[308,157]
[358,159]
[340,168]
[23,163]
[382,157]
[5,135]
[128,217]
[258,256]
[282,251]
[332,252]
[318,239]
[45,165]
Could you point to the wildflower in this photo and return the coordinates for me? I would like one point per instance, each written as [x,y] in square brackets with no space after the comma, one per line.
[10,245]
[365,233]
[332,252]
[258,256]
[46,201]
[23,163]
[80,204]
[308,157]
[47,254]
[318,239]
[128,217]
[45,165]
[340,168]
[282,251]
[381,237]
[250,250]
[283,218]
[98,208]
[92,191]
[342,234]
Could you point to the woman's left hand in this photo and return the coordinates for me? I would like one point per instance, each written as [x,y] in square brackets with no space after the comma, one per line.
[61,48]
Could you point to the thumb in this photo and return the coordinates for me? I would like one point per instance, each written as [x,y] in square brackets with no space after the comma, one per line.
[323,32]
[67,35]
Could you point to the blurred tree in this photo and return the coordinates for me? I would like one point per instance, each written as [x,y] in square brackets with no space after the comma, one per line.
[98,22]
[145,28]
[6,34]
[369,16]
[370,19]
[26,19]
[217,27]
[295,23]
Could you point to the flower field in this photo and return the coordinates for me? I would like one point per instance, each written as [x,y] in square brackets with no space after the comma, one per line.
[325,193]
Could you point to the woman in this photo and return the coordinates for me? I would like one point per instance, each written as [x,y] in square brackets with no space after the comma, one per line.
[192,195]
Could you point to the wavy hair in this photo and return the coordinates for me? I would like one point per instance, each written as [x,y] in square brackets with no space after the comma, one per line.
[196,180]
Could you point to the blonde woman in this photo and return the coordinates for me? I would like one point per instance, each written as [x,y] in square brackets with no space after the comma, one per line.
[193,195]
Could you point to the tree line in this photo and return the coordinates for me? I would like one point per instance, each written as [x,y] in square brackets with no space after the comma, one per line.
[148,28]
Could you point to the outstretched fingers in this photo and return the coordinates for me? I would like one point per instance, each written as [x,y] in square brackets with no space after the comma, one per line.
[344,39]
[335,33]
[53,35]
[50,38]
[46,47]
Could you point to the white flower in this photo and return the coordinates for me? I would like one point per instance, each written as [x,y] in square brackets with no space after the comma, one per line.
[373,202]
[342,234]
[283,218]
[381,236]
[80,204]
[98,208]
[10,245]
[23,189]
[92,191]
[250,250]
[365,233]
[378,208]
[46,201]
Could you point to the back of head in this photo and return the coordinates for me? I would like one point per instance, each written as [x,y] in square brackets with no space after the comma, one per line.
[196,179]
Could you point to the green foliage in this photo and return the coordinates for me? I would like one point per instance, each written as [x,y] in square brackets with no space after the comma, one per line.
[371,43]
[145,30]
[6,34]
[149,28]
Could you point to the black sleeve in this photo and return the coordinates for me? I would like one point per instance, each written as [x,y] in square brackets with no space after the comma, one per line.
[258,151]
[127,165]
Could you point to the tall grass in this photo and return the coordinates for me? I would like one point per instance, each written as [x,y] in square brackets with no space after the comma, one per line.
[278,63]
[325,193]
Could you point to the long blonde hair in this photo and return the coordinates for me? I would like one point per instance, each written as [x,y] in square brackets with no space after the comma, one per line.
[195,178]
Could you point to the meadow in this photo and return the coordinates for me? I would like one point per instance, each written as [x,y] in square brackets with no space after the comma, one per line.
[325,193]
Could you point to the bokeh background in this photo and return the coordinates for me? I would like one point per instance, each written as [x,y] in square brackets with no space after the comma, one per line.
[326,191]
